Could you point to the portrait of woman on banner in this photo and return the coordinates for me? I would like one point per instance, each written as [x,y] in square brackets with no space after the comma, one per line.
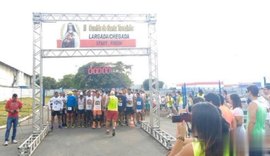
[71,37]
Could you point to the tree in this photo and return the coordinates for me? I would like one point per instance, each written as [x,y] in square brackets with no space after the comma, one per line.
[68,81]
[118,78]
[48,83]
[146,84]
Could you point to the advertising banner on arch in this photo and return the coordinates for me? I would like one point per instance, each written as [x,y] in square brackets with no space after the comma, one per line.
[94,35]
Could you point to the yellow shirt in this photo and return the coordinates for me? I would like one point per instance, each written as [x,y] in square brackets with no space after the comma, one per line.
[113,103]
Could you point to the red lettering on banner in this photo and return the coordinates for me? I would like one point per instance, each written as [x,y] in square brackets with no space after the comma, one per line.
[99,70]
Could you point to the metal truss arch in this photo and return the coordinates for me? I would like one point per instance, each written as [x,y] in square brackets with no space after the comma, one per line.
[40,127]
[94,52]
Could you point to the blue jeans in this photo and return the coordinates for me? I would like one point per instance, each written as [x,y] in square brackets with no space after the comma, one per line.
[11,120]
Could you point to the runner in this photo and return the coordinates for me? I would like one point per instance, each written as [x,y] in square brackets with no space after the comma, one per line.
[147,105]
[122,102]
[71,104]
[64,111]
[112,113]
[130,107]
[139,109]
[81,110]
[88,109]
[56,104]
[97,110]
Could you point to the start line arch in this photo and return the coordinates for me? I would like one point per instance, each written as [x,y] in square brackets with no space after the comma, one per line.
[40,51]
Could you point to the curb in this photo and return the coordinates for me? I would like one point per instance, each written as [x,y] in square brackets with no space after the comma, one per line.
[20,120]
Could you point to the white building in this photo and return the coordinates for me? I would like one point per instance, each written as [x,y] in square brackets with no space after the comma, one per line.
[12,77]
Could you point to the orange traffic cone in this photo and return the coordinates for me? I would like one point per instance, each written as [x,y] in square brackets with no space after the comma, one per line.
[131,123]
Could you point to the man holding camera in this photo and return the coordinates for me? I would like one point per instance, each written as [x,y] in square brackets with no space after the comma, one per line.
[13,106]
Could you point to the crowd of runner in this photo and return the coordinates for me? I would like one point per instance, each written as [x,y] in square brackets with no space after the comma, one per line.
[96,108]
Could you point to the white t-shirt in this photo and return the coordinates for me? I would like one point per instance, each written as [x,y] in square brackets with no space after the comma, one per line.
[89,103]
[64,99]
[97,103]
[237,112]
[81,103]
[56,103]
[129,100]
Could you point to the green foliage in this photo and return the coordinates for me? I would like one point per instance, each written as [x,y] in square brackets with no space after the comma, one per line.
[146,84]
[117,79]
[48,83]
[68,81]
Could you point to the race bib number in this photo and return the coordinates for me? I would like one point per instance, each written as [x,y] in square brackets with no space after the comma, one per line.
[69,108]
[139,103]
[80,107]
[120,104]
[88,107]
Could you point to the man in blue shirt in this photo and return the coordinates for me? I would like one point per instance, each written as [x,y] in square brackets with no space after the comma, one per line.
[71,105]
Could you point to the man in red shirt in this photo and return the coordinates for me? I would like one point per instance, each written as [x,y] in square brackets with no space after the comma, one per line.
[13,106]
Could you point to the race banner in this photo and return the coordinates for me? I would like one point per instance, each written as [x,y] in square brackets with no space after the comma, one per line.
[95,35]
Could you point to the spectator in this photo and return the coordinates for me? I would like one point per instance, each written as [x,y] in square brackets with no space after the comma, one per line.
[13,107]
[208,134]
[239,132]
[256,117]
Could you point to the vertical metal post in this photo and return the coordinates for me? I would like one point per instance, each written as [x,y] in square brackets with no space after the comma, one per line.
[153,73]
[37,76]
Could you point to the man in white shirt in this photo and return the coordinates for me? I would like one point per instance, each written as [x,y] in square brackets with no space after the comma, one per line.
[56,104]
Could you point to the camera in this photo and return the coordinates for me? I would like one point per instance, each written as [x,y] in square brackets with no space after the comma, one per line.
[181,117]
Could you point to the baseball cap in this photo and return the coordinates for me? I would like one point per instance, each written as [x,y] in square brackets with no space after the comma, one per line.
[112,92]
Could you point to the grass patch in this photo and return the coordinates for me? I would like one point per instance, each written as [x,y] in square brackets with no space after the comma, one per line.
[25,111]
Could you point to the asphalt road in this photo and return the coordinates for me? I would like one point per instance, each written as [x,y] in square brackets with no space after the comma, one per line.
[86,141]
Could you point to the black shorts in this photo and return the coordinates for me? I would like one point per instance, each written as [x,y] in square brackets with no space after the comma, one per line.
[129,110]
[121,109]
[70,110]
[64,111]
[58,113]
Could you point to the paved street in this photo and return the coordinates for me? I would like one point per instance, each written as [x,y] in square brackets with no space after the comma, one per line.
[87,141]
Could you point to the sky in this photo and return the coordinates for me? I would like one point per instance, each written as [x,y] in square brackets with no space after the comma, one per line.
[197,40]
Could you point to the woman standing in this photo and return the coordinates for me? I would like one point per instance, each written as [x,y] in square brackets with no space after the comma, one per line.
[239,132]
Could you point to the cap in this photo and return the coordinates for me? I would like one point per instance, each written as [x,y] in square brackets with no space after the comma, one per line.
[112,93]
[70,92]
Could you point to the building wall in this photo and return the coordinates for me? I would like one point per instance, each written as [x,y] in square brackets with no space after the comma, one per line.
[6,92]
[7,74]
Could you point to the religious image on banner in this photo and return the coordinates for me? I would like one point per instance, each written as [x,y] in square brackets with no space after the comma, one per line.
[70,36]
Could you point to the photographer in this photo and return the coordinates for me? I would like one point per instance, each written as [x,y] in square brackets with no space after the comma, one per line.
[13,106]
[208,134]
